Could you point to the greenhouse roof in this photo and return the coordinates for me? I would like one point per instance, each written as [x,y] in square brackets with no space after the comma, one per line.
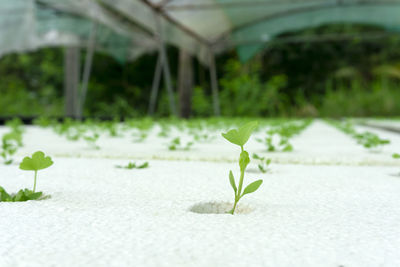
[128,28]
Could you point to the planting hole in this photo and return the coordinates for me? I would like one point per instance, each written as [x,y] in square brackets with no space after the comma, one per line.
[219,208]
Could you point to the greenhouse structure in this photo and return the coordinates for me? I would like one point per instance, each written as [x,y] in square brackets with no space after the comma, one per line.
[199,133]
[127,29]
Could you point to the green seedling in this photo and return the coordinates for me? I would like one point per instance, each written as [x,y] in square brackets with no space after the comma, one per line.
[267,141]
[37,162]
[91,140]
[74,133]
[240,137]
[367,139]
[284,132]
[202,137]
[139,137]
[396,156]
[112,127]
[133,165]
[9,147]
[263,166]
[176,144]
[22,195]
[15,125]
[43,122]
[370,140]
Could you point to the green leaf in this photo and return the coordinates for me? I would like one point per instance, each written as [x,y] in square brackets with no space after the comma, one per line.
[244,160]
[37,162]
[20,196]
[4,196]
[288,148]
[144,165]
[32,195]
[396,156]
[241,136]
[233,137]
[256,156]
[261,168]
[232,181]
[252,187]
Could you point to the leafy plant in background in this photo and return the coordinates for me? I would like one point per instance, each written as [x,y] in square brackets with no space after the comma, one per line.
[370,140]
[396,156]
[202,137]
[112,127]
[367,139]
[176,144]
[91,140]
[284,132]
[139,137]
[43,121]
[8,148]
[263,164]
[134,165]
[37,162]
[240,137]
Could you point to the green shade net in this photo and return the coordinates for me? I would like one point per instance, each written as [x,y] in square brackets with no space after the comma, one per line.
[126,28]
[27,25]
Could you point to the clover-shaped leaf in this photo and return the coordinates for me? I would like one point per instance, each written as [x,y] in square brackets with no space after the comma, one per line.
[38,161]
[241,136]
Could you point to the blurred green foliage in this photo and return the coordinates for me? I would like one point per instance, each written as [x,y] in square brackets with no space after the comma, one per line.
[334,78]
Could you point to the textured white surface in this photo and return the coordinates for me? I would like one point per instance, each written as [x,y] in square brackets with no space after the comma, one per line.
[303,215]
[320,143]
[102,216]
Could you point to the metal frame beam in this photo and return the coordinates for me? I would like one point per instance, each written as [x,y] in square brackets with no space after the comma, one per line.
[214,84]
[303,10]
[87,68]
[155,86]
[214,6]
[71,80]
[160,12]
[165,65]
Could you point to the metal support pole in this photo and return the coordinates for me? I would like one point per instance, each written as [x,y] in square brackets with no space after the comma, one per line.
[155,86]
[185,83]
[214,84]
[71,80]
[166,70]
[87,69]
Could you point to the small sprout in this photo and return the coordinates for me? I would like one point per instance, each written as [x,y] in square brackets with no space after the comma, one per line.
[91,140]
[370,140]
[133,165]
[263,166]
[176,144]
[240,137]
[366,139]
[202,137]
[284,132]
[287,148]
[37,162]
[8,149]
[112,127]
[139,137]
[396,156]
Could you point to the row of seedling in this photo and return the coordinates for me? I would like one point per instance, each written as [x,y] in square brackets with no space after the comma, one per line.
[369,140]
[239,137]
[277,138]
